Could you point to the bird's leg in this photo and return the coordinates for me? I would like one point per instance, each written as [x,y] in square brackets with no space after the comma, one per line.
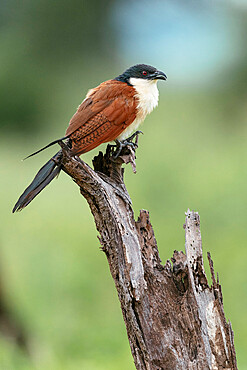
[119,146]
[122,144]
[134,135]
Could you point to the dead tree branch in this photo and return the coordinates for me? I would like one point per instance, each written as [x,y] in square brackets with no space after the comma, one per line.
[174,318]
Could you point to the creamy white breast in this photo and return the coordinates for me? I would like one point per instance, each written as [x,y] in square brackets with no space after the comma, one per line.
[147,94]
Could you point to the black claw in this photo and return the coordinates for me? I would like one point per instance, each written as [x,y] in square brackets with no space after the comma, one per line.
[135,134]
[122,144]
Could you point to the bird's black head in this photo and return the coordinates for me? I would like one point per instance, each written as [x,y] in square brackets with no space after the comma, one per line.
[142,71]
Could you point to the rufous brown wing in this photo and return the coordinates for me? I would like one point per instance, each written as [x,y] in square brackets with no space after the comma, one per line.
[102,116]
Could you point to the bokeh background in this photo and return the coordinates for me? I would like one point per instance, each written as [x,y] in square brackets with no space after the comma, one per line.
[59,307]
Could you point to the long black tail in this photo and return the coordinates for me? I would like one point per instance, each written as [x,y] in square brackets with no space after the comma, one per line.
[45,175]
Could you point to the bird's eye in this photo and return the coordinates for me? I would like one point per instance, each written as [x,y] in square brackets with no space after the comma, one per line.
[144,73]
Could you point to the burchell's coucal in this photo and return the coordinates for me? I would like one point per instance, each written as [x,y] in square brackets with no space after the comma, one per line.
[110,111]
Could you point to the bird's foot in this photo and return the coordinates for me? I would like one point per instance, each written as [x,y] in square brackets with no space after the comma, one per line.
[127,142]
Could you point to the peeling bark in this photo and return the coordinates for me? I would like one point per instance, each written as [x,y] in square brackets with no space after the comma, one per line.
[174,318]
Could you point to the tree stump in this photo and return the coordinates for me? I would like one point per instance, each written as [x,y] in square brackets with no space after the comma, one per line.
[174,318]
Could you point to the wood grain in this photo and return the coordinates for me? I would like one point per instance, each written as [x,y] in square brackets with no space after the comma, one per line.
[174,318]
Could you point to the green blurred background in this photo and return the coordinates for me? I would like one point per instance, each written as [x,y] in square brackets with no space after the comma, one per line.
[55,282]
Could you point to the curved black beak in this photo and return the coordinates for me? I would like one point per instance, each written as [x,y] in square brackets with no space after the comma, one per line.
[158,75]
[161,76]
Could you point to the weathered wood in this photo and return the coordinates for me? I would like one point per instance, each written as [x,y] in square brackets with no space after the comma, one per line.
[174,318]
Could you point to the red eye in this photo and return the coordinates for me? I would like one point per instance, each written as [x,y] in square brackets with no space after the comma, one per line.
[144,73]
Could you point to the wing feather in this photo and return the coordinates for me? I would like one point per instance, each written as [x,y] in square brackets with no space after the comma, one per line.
[99,120]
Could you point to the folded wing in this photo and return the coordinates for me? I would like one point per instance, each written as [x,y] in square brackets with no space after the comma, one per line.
[102,116]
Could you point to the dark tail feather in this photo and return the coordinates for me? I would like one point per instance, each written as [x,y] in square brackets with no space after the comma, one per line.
[45,147]
[45,175]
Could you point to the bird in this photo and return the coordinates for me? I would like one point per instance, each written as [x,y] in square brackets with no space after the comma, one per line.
[110,112]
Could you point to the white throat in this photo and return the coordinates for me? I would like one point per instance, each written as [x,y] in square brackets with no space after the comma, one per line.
[147,94]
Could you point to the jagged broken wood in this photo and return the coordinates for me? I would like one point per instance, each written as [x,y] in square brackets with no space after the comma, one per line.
[174,318]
